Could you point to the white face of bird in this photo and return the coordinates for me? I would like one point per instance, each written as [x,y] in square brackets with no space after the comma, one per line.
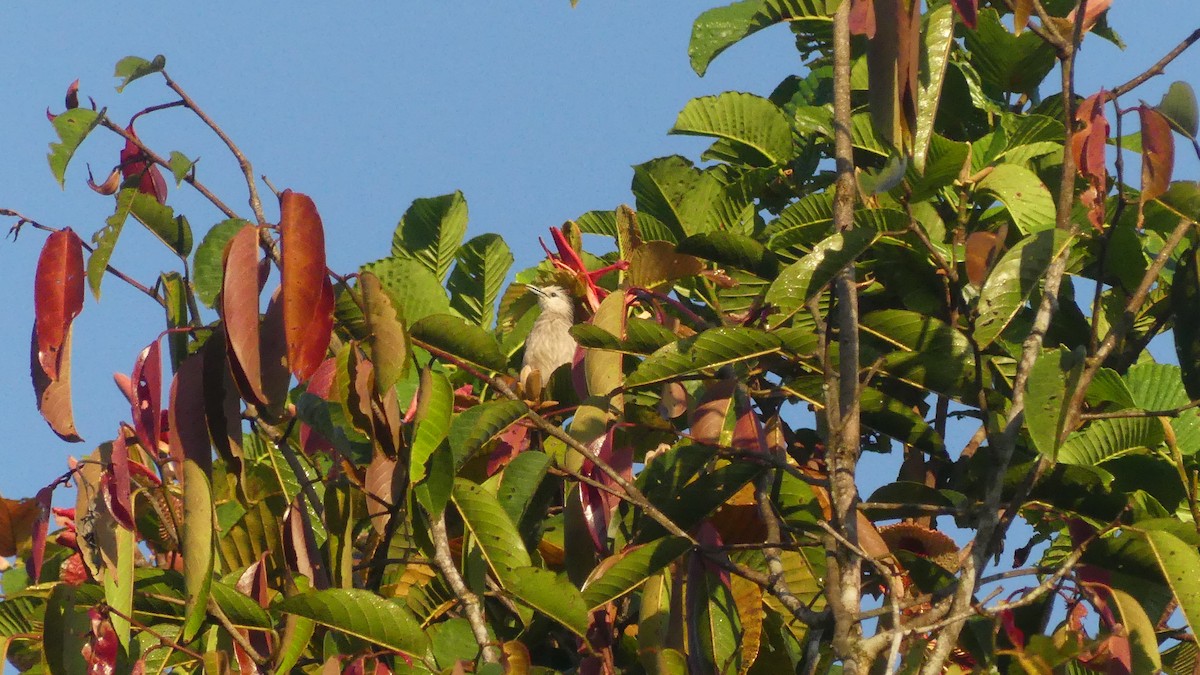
[554,299]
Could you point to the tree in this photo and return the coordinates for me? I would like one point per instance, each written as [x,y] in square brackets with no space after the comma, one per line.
[908,245]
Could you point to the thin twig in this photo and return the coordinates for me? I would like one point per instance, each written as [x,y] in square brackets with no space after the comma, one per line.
[23,220]
[1157,68]
[247,169]
[219,614]
[471,604]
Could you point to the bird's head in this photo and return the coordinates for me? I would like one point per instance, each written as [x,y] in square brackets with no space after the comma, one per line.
[554,299]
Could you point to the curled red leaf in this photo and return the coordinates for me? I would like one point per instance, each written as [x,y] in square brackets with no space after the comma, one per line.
[57,296]
[146,404]
[307,292]
[110,184]
[136,166]
[117,485]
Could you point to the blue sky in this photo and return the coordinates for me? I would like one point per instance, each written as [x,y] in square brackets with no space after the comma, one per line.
[536,113]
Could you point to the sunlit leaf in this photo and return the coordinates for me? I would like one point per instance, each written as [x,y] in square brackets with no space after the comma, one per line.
[1027,199]
[479,274]
[1013,279]
[709,350]
[550,594]
[390,348]
[632,568]
[1158,153]
[747,120]
[799,282]
[72,127]
[491,527]
[936,40]
[57,297]
[719,28]
[362,614]
[239,309]
[450,336]
[307,292]
[132,68]
[54,396]
[207,269]
[431,231]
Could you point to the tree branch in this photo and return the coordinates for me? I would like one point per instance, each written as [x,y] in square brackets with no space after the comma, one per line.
[471,604]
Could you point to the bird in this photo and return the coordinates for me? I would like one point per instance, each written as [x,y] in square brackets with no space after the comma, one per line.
[549,344]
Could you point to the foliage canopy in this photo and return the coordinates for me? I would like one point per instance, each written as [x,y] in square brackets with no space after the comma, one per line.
[916,246]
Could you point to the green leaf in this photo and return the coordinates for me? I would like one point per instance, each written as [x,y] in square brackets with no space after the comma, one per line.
[1005,62]
[605,223]
[1046,398]
[431,230]
[1107,438]
[1029,203]
[72,127]
[550,594]
[65,620]
[180,166]
[478,276]
[660,186]
[632,568]
[491,527]
[1179,562]
[105,240]
[800,281]
[434,409]
[733,250]
[1013,279]
[885,414]
[1178,105]
[1159,386]
[361,614]
[132,68]
[713,627]
[936,39]
[207,269]
[476,426]
[198,544]
[466,342]
[719,28]
[520,481]
[922,350]
[241,610]
[453,641]
[1140,629]
[709,350]
[744,119]
[416,292]
[162,222]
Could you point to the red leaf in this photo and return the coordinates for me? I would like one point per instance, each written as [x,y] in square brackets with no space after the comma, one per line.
[1094,9]
[119,486]
[862,18]
[599,504]
[239,309]
[147,397]
[100,651]
[57,296]
[186,415]
[54,396]
[981,249]
[300,544]
[1089,145]
[40,529]
[968,10]
[307,293]
[1158,153]
[73,95]
[319,384]
[136,166]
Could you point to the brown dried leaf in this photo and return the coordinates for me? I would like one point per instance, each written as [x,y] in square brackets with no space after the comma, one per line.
[981,251]
[1158,153]
[1089,147]
[17,519]
[1021,11]
[389,340]
[54,396]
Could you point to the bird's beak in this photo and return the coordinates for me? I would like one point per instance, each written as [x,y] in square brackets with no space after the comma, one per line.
[536,290]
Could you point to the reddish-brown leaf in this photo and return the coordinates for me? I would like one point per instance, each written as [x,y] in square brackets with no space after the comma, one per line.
[40,528]
[383,483]
[1094,9]
[136,166]
[1089,147]
[1021,11]
[147,397]
[239,309]
[187,417]
[17,520]
[54,396]
[307,293]
[893,58]
[118,485]
[1158,153]
[862,18]
[300,544]
[710,421]
[981,250]
[57,296]
[968,10]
